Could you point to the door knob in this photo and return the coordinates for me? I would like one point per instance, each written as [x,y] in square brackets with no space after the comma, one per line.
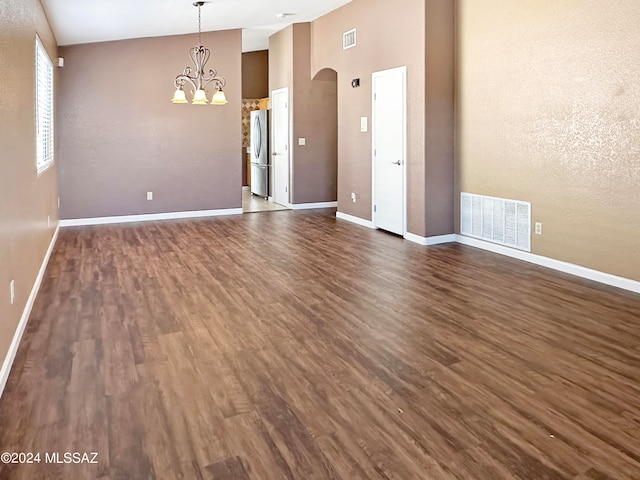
[399,162]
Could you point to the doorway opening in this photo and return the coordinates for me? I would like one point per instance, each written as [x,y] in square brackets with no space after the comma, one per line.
[257,197]
[255,158]
[252,203]
[319,182]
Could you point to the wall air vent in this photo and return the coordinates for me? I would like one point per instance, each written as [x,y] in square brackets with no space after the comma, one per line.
[497,220]
[349,39]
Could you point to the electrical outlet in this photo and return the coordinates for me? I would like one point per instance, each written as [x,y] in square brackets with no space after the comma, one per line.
[58,202]
[149,195]
[538,228]
[353,197]
[12,290]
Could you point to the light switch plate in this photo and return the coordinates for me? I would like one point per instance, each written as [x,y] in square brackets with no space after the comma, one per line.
[364,124]
[302,141]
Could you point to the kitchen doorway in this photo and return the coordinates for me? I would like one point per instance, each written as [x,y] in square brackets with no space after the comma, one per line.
[256,196]
[253,203]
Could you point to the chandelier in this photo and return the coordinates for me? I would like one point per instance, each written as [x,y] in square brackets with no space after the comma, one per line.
[196,77]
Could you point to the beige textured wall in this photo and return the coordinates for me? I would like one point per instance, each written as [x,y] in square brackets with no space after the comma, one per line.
[386,39]
[548,97]
[121,136]
[25,198]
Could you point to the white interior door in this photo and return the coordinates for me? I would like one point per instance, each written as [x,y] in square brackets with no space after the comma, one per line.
[389,150]
[280,151]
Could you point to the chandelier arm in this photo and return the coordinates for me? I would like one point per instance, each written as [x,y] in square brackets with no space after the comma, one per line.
[181,81]
[193,54]
[206,53]
[199,56]
[219,82]
[213,75]
[187,73]
[222,80]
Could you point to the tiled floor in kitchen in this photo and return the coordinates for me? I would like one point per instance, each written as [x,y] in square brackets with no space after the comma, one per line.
[252,203]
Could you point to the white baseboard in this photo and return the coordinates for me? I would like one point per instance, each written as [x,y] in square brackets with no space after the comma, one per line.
[149,217]
[246,188]
[15,343]
[427,241]
[356,220]
[570,268]
[308,206]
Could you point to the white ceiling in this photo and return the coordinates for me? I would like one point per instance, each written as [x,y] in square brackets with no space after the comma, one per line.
[87,21]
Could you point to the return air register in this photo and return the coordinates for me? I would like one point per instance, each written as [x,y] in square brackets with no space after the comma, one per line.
[349,39]
[496,220]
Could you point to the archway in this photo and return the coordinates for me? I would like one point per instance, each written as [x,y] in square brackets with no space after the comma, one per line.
[325,95]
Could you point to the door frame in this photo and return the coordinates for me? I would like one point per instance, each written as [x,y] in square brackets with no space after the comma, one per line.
[380,73]
[273,144]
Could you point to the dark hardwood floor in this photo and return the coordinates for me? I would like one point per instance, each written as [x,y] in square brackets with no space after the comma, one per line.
[291,345]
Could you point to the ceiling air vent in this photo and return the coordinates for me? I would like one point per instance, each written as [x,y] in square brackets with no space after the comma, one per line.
[349,39]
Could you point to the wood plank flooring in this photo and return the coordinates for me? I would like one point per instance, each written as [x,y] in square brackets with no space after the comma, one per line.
[291,345]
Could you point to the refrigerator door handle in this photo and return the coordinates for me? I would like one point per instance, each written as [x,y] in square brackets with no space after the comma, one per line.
[257,135]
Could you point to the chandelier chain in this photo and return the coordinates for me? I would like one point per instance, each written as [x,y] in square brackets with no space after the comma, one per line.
[199,25]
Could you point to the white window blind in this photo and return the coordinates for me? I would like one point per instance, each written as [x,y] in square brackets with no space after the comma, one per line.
[44,108]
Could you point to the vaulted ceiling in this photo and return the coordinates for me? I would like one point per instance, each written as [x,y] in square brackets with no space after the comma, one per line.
[83,21]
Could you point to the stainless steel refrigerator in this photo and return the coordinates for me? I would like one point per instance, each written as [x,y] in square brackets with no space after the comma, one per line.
[259,148]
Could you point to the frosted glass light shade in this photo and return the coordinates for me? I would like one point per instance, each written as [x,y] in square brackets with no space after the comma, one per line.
[219,98]
[200,97]
[179,96]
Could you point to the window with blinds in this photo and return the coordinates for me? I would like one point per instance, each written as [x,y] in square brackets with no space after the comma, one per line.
[44,108]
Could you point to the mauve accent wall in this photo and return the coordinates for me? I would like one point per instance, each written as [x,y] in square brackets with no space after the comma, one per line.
[121,136]
[439,140]
[388,39]
[255,74]
[26,198]
[281,59]
[280,76]
[313,115]
[315,118]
